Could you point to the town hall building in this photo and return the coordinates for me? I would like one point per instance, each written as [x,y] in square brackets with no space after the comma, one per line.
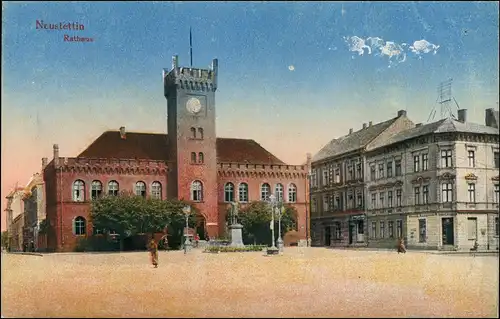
[189,163]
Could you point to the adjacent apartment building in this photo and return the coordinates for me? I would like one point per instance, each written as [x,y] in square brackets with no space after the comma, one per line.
[15,218]
[34,210]
[435,185]
[338,184]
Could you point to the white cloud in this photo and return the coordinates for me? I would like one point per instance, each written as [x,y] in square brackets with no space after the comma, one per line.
[423,46]
[396,53]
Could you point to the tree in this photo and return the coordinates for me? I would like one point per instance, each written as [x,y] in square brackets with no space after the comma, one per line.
[256,218]
[5,239]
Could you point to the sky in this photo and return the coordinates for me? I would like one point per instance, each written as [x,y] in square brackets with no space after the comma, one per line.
[292,75]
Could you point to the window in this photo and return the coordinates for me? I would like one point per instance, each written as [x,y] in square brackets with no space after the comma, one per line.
[472,158]
[156,190]
[325,177]
[140,189]
[472,227]
[389,198]
[78,191]
[398,198]
[79,225]
[399,228]
[359,173]
[374,230]
[292,193]
[314,179]
[243,192]
[382,198]
[193,157]
[417,195]
[425,194]
[390,225]
[265,192]
[200,132]
[496,226]
[201,158]
[330,201]
[337,202]
[229,192]
[425,162]
[389,169]
[372,173]
[381,170]
[113,188]
[472,192]
[446,158]
[374,200]
[422,231]
[447,193]
[193,132]
[279,192]
[350,172]
[337,230]
[96,190]
[314,205]
[397,165]
[496,156]
[351,200]
[196,191]
[416,163]
[337,175]
[359,200]
[382,229]
[496,197]
[325,203]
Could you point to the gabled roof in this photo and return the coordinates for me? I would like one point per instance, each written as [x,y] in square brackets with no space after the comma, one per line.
[441,126]
[353,141]
[155,146]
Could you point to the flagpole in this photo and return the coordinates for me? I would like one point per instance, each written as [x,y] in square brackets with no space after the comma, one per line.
[191,46]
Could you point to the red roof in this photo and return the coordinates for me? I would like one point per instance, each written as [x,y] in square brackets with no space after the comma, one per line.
[155,146]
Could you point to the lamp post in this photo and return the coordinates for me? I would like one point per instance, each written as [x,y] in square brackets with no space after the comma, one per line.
[272,200]
[281,209]
[186,210]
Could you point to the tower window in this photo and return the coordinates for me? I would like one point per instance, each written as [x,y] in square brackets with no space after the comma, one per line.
[193,157]
[193,132]
[140,189]
[201,158]
[200,132]
[196,191]
[229,192]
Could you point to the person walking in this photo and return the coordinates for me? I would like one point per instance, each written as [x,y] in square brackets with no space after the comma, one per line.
[165,243]
[196,240]
[153,251]
[401,246]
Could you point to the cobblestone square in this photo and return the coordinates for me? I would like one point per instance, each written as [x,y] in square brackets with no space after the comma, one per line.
[304,282]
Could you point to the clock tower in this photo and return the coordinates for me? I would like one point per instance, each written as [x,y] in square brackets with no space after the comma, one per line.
[190,94]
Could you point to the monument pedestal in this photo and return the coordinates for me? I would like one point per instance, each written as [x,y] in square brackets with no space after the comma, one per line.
[236,235]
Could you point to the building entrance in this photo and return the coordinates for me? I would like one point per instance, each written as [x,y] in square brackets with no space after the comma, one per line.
[447,232]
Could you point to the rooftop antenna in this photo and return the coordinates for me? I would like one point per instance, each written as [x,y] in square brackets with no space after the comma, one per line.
[191,46]
[444,100]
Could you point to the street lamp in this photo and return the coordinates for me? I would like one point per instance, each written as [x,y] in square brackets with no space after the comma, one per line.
[281,210]
[186,210]
[272,200]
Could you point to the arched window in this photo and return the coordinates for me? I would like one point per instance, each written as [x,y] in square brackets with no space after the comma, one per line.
[265,192]
[140,189]
[193,157]
[279,192]
[96,190]
[79,226]
[193,132]
[243,192]
[78,191]
[229,192]
[201,158]
[292,193]
[156,190]
[113,188]
[200,132]
[196,191]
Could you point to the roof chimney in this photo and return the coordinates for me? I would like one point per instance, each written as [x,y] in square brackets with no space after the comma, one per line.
[56,153]
[44,162]
[370,123]
[401,113]
[350,131]
[462,115]
[123,134]
[364,125]
[491,118]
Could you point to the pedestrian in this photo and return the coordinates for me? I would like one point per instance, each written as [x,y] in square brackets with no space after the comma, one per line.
[196,240]
[153,251]
[165,243]
[401,246]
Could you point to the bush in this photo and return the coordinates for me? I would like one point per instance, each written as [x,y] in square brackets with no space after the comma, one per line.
[229,249]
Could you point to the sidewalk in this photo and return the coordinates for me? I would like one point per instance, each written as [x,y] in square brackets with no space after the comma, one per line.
[422,251]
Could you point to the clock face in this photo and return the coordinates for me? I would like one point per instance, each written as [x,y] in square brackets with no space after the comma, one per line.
[193,105]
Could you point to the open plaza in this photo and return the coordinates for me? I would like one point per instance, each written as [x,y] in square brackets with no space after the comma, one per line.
[303,282]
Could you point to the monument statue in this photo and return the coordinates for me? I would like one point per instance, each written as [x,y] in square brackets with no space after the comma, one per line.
[236,236]
[234,213]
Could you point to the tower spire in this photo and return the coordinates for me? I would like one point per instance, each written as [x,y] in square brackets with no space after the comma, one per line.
[191,46]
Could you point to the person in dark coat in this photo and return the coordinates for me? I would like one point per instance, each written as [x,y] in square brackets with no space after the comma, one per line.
[401,246]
